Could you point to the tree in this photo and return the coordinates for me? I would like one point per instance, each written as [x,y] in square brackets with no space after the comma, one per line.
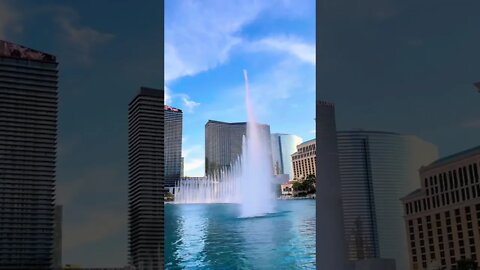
[467,264]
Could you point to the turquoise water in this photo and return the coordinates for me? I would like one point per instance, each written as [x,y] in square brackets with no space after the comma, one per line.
[211,236]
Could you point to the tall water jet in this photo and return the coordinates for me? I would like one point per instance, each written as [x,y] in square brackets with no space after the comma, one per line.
[256,186]
[248,180]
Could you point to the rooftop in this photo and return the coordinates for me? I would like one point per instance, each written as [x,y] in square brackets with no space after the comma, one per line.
[308,142]
[170,108]
[452,158]
[412,195]
[12,50]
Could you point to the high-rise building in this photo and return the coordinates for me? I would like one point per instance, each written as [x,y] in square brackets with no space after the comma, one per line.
[223,143]
[57,246]
[331,252]
[173,145]
[376,170]
[304,160]
[283,146]
[28,139]
[442,217]
[146,179]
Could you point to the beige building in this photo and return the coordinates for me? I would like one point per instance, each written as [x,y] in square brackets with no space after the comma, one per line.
[443,217]
[304,160]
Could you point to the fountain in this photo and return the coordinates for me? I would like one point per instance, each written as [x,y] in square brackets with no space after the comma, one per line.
[247,182]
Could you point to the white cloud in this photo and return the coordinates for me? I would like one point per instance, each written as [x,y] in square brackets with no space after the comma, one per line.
[199,35]
[82,39]
[188,103]
[168,95]
[288,44]
[471,124]
[9,19]
[193,160]
[191,167]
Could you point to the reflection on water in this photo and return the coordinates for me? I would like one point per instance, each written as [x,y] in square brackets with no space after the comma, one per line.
[211,236]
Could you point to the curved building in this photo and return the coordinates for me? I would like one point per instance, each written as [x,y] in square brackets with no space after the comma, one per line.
[376,170]
[283,146]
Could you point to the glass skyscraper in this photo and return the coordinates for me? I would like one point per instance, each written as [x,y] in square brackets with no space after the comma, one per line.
[173,145]
[283,146]
[28,140]
[223,143]
[376,170]
[146,179]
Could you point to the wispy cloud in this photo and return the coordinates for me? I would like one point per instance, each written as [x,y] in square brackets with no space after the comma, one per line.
[189,104]
[193,160]
[82,39]
[471,124]
[10,19]
[286,44]
[200,35]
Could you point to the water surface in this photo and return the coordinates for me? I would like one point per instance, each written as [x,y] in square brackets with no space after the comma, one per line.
[212,236]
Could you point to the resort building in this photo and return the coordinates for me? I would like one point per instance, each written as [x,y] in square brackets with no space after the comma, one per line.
[376,169]
[224,143]
[28,145]
[283,146]
[304,160]
[146,170]
[173,145]
[442,217]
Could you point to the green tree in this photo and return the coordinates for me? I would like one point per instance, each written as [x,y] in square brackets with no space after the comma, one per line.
[467,264]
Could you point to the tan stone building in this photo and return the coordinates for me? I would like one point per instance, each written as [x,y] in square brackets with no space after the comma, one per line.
[304,160]
[443,217]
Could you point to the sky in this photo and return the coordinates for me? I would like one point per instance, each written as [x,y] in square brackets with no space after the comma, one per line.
[107,49]
[393,65]
[403,66]
[207,46]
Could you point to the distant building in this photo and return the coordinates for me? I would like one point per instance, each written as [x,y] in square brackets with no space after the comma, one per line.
[283,146]
[376,170]
[281,179]
[224,143]
[304,160]
[57,236]
[182,168]
[442,217]
[330,238]
[287,188]
[173,145]
[28,144]
[146,170]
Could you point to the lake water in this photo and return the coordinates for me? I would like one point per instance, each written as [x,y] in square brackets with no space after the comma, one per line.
[212,236]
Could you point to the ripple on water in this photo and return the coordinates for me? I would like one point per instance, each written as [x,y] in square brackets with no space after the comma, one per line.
[212,236]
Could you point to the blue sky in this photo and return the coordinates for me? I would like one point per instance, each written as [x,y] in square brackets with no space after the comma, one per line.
[207,46]
[393,65]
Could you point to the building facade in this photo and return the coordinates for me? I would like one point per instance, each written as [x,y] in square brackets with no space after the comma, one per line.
[146,179]
[376,170]
[57,247]
[28,140]
[304,160]
[224,143]
[283,146]
[331,251]
[173,145]
[442,217]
